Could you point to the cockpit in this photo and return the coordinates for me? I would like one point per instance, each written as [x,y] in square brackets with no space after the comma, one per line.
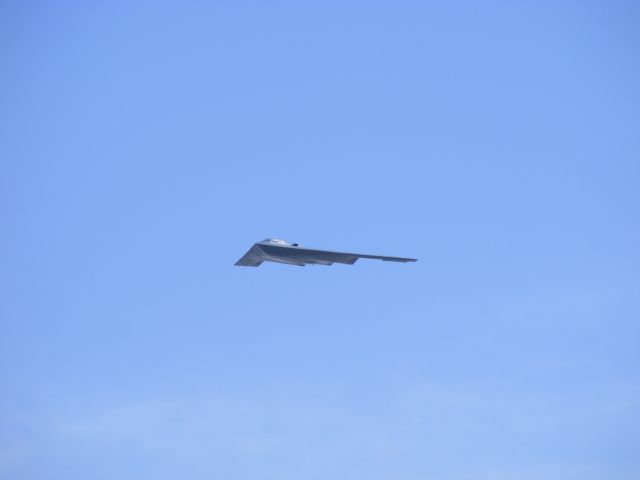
[277,241]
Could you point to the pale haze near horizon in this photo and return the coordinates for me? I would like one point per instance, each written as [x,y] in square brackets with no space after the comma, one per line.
[145,148]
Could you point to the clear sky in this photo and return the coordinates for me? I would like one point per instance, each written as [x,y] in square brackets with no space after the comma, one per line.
[144,147]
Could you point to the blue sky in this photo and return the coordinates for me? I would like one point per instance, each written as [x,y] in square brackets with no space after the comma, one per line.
[145,147]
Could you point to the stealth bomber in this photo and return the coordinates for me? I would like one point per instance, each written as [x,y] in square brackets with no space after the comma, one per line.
[280,251]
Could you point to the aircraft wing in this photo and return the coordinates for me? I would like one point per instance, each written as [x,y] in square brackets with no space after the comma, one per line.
[323,257]
[253,258]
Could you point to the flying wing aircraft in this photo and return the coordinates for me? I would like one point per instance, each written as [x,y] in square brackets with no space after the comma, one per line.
[280,251]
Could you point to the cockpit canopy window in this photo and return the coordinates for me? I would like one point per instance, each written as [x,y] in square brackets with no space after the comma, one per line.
[276,241]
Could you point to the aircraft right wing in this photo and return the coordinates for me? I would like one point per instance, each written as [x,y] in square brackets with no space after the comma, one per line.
[253,258]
